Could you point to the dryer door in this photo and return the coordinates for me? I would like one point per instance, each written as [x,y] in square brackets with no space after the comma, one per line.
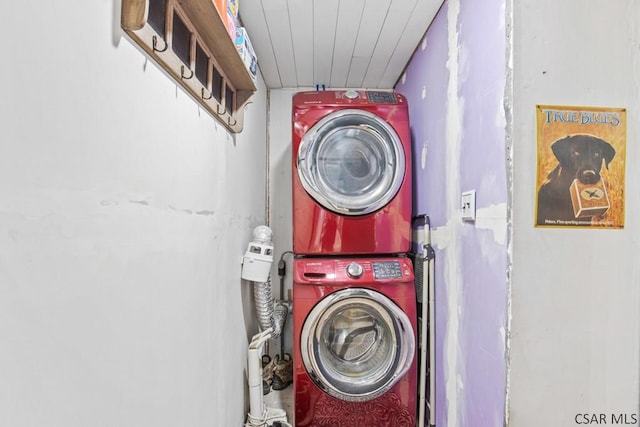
[356,344]
[351,162]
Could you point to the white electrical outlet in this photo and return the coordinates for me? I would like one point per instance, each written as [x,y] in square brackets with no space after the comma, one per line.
[468,204]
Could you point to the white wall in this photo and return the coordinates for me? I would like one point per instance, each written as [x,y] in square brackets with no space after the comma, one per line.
[280,210]
[575,298]
[124,214]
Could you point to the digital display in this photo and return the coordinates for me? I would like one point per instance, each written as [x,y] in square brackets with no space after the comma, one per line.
[382,97]
[387,270]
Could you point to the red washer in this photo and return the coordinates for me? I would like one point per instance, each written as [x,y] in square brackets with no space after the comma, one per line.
[354,325]
[351,173]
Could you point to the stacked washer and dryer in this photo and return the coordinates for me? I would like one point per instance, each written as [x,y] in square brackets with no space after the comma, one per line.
[354,303]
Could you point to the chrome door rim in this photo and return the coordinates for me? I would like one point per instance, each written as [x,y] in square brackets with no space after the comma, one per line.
[403,353]
[387,142]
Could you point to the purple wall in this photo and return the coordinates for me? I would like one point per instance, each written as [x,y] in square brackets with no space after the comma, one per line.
[482,36]
[428,118]
[428,129]
[481,265]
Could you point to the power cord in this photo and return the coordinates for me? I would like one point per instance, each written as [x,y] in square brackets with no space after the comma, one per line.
[282,271]
[282,267]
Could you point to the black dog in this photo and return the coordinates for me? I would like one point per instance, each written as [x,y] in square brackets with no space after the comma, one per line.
[580,157]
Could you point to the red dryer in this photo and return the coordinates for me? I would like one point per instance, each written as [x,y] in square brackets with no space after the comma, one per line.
[354,327]
[351,173]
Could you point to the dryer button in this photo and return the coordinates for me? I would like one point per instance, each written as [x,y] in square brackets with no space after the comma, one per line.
[354,270]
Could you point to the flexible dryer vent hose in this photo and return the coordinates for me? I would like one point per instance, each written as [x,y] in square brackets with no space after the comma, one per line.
[268,315]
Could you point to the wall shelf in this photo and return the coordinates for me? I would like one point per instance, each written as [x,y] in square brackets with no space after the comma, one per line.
[190,41]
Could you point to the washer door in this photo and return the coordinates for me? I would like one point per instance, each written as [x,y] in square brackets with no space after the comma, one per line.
[356,344]
[351,162]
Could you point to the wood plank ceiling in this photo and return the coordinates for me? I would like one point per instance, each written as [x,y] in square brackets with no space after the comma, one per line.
[336,43]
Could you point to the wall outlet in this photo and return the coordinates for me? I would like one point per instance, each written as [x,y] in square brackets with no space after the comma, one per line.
[468,203]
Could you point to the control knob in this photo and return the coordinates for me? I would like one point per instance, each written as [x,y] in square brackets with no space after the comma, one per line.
[351,94]
[354,270]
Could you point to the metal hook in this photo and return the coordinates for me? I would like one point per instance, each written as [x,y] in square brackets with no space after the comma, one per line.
[234,121]
[155,44]
[221,112]
[182,73]
[209,97]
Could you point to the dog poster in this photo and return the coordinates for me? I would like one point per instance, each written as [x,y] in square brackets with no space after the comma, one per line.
[581,164]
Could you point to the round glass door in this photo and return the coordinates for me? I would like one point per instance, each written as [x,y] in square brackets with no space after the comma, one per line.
[351,162]
[356,344]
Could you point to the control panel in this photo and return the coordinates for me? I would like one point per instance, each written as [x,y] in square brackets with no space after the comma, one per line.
[351,97]
[353,271]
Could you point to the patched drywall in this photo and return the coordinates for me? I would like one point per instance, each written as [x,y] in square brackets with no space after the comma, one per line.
[124,215]
[455,84]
